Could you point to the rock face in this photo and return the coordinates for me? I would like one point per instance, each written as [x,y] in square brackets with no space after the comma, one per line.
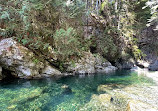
[84,65]
[154,66]
[103,66]
[22,62]
[1,77]
[90,64]
[148,43]
[126,64]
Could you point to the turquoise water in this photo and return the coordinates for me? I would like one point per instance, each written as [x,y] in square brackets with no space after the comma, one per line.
[64,94]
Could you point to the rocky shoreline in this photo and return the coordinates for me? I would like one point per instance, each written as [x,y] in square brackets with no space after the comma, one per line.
[20,62]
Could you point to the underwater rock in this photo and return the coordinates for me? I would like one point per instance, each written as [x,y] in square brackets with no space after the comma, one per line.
[104,98]
[100,102]
[23,62]
[135,105]
[67,89]
[108,88]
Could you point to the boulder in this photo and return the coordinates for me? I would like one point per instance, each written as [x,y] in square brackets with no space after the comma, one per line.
[66,89]
[102,102]
[50,71]
[135,105]
[108,88]
[22,62]
[154,66]
[125,63]
[103,66]
[108,69]
[142,64]
[90,64]
[104,98]
[84,65]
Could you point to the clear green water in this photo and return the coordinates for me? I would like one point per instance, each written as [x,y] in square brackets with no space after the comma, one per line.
[49,95]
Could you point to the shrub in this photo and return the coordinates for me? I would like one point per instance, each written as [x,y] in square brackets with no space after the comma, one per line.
[67,43]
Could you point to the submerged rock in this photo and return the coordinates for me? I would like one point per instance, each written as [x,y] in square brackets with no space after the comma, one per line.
[22,62]
[135,105]
[107,88]
[66,89]
[105,98]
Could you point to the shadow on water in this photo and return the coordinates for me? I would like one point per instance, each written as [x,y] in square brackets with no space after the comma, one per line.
[68,93]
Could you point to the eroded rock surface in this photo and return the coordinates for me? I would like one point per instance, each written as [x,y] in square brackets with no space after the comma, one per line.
[154,66]
[22,62]
[90,64]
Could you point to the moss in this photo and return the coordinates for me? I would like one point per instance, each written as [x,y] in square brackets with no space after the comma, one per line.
[103,5]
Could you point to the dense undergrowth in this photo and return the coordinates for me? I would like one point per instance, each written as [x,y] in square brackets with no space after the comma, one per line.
[55,29]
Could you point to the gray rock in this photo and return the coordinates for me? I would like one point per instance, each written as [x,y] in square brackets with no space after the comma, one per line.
[23,62]
[142,64]
[154,66]
[49,71]
[106,64]
[127,65]
[103,66]
[106,69]
[84,65]
[90,64]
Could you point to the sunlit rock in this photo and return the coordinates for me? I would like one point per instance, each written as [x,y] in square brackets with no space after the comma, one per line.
[142,64]
[135,105]
[22,62]
[107,88]
[84,65]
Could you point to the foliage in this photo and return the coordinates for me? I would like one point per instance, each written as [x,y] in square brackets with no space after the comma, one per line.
[106,46]
[137,53]
[124,21]
[67,43]
[56,25]
[153,5]
[34,22]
